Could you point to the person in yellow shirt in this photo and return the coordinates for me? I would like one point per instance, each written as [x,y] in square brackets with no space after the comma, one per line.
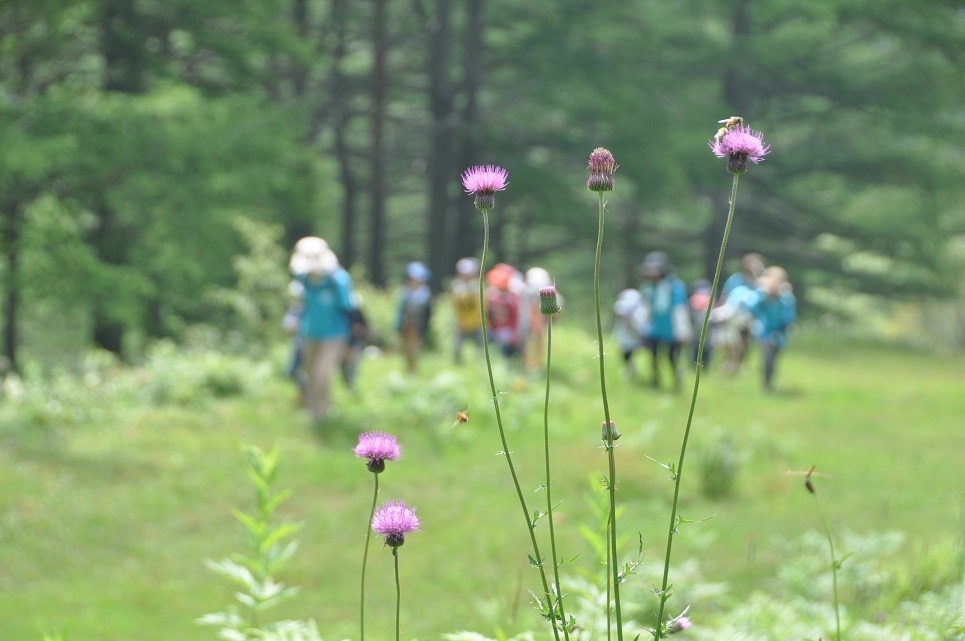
[464,294]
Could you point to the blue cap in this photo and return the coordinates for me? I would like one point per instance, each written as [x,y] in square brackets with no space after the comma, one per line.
[417,271]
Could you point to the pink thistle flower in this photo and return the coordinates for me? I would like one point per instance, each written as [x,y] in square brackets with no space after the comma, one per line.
[740,144]
[393,521]
[378,447]
[483,182]
[602,167]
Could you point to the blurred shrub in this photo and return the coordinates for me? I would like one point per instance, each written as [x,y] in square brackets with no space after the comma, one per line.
[719,461]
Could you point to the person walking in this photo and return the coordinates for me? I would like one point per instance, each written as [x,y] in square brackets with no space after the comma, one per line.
[464,295]
[668,316]
[415,308]
[504,308]
[775,312]
[328,300]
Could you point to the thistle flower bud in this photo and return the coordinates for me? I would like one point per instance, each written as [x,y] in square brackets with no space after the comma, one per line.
[602,166]
[610,432]
[548,301]
[679,624]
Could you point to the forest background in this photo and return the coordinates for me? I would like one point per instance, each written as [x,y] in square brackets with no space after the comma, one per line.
[146,144]
[159,158]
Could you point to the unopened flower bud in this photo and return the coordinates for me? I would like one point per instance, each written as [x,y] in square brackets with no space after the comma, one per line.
[548,301]
[610,433]
[679,624]
[602,166]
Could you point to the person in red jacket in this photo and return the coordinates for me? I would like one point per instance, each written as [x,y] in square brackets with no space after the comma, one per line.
[503,301]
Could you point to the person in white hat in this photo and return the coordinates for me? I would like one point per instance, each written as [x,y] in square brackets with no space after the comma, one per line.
[323,326]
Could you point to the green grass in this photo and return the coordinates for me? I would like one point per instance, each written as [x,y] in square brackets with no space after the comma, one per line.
[105,525]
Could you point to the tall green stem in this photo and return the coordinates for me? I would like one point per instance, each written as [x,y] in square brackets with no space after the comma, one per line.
[549,485]
[398,596]
[678,474]
[834,568]
[530,525]
[365,559]
[612,483]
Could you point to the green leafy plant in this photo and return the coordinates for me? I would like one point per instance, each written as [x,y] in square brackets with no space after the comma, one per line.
[268,549]
[719,463]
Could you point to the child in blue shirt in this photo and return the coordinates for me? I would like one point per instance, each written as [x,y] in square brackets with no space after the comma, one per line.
[774,312]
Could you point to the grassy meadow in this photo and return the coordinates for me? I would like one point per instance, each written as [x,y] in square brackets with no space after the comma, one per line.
[114,496]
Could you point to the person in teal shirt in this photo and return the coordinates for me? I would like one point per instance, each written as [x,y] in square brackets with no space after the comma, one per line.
[324,325]
[666,319]
[775,311]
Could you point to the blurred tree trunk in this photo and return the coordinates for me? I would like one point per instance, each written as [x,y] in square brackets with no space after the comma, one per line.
[300,21]
[123,47]
[467,240]
[109,240]
[380,46]
[12,228]
[440,155]
[341,117]
[122,44]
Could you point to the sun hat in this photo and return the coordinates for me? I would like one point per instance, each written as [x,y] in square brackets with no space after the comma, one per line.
[538,277]
[627,302]
[313,256]
[467,266]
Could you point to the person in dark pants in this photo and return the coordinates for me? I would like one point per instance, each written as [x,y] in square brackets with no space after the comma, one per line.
[774,312]
[668,316]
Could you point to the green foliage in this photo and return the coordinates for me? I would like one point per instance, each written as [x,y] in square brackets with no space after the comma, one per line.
[132,144]
[268,551]
[124,505]
[255,302]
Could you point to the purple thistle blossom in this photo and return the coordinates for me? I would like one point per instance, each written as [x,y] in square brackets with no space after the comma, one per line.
[738,145]
[393,520]
[378,447]
[483,182]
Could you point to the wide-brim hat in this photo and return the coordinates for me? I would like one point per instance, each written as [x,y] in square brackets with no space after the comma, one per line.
[467,266]
[628,301]
[538,277]
[312,256]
